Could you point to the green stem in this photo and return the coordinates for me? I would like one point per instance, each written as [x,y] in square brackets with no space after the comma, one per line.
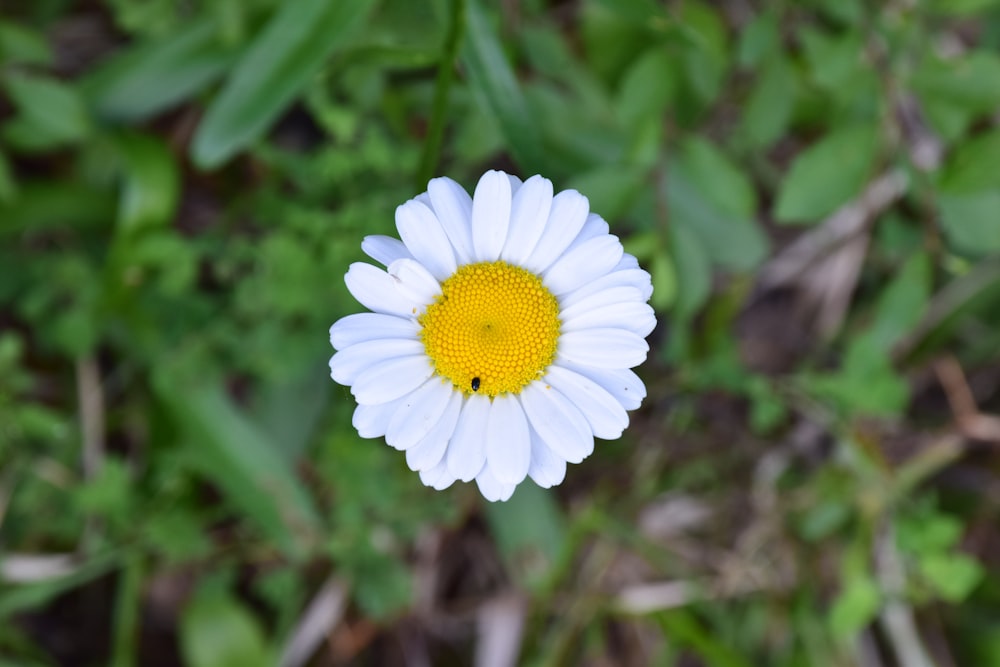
[446,72]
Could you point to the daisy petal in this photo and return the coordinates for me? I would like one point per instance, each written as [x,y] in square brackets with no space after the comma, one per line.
[361,327]
[634,278]
[529,213]
[574,307]
[515,183]
[606,416]
[466,453]
[490,215]
[493,489]
[437,477]
[370,420]
[453,207]
[414,282]
[384,249]
[391,379]
[424,236]
[569,212]
[603,348]
[375,290]
[430,450]
[621,383]
[557,421]
[508,445]
[547,468]
[585,263]
[347,365]
[418,414]
[594,226]
[632,316]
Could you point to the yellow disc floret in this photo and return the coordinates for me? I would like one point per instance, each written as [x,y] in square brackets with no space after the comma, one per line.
[493,329]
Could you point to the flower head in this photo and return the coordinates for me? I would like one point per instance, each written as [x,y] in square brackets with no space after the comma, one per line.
[501,334]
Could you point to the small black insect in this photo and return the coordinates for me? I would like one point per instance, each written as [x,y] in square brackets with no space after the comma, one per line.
[475,384]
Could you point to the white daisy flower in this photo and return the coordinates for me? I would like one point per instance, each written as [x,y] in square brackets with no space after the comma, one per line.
[501,334]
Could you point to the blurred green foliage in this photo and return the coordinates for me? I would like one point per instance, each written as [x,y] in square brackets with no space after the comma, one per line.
[182,186]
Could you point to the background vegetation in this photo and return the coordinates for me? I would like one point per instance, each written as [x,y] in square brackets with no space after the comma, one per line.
[813,479]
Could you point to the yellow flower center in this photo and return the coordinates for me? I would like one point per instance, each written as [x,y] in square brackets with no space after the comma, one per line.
[493,329]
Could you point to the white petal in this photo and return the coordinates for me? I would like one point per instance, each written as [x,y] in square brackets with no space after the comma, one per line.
[453,207]
[384,249]
[621,383]
[414,282]
[515,183]
[585,263]
[348,364]
[604,348]
[430,450]
[632,316]
[635,278]
[574,307]
[594,226]
[490,215]
[372,420]
[508,445]
[606,416]
[391,379]
[569,212]
[375,290]
[361,327]
[557,421]
[529,213]
[466,453]
[437,477]
[424,236]
[492,488]
[547,468]
[418,414]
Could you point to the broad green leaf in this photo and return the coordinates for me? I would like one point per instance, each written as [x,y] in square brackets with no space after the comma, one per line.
[19,44]
[769,107]
[218,631]
[828,174]
[8,186]
[694,270]
[51,113]
[647,87]
[759,40]
[971,82]
[710,197]
[611,189]
[973,168]
[154,76]
[282,59]
[150,190]
[530,531]
[855,606]
[39,206]
[963,7]
[953,575]
[493,82]
[833,60]
[902,302]
[971,223]
[247,467]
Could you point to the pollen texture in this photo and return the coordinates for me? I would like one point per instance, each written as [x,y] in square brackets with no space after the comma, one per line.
[495,322]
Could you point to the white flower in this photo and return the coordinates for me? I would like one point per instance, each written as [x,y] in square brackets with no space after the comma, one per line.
[501,334]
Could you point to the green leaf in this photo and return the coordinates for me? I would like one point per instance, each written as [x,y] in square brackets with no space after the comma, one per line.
[712,198]
[19,44]
[855,606]
[217,631]
[759,40]
[647,87]
[51,113]
[282,59]
[149,195]
[963,7]
[902,302]
[694,271]
[971,82]
[154,76]
[769,107]
[828,174]
[530,531]
[971,223]
[492,81]
[953,575]
[41,206]
[225,447]
[973,167]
